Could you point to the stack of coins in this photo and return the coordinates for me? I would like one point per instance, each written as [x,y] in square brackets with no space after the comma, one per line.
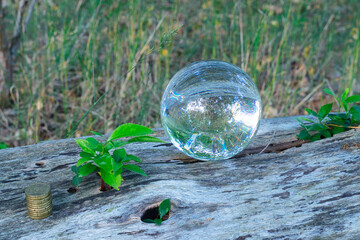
[39,200]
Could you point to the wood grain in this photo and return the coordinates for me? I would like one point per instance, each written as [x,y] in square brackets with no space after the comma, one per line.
[300,191]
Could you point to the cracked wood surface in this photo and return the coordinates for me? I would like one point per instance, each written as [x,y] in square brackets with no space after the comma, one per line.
[300,191]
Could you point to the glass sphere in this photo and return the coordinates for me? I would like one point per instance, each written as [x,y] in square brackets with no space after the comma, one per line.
[211,110]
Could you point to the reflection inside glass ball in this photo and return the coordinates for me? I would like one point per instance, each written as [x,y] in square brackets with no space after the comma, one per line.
[211,110]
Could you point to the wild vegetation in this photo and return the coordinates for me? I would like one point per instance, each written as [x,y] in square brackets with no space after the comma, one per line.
[121,55]
[327,124]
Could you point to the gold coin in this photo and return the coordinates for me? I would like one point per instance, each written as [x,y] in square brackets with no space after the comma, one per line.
[49,199]
[39,216]
[38,190]
[39,200]
[38,197]
[42,208]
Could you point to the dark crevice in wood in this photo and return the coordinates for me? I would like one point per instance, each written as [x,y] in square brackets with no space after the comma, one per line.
[345,195]
[153,213]
[272,148]
[164,145]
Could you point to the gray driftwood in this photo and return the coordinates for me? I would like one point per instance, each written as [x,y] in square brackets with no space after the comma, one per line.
[292,190]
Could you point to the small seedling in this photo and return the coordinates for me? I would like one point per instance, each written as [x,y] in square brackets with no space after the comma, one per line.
[96,156]
[163,209]
[328,123]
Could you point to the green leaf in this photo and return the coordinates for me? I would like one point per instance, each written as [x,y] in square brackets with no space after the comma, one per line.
[134,158]
[96,133]
[336,130]
[76,180]
[145,139]
[343,99]
[85,146]
[119,155]
[355,112]
[116,166]
[342,115]
[315,137]
[75,169]
[119,144]
[345,106]
[164,207]
[324,110]
[317,127]
[85,154]
[344,95]
[104,162]
[306,119]
[303,135]
[352,99]
[111,179]
[86,169]
[325,133]
[129,130]
[157,221]
[299,120]
[335,119]
[148,220]
[94,144]
[311,112]
[82,160]
[92,141]
[328,91]
[110,145]
[3,145]
[135,169]
[302,124]
[354,122]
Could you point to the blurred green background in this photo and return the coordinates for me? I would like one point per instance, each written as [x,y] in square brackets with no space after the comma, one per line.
[75,51]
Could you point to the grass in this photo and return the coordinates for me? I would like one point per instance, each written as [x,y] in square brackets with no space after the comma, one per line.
[75,51]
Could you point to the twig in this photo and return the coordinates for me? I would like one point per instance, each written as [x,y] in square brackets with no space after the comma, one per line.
[334,125]
[268,143]
[29,13]
[15,41]
[307,97]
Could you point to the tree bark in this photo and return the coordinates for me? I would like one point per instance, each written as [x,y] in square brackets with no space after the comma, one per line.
[308,191]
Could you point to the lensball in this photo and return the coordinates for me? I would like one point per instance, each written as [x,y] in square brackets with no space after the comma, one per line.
[211,110]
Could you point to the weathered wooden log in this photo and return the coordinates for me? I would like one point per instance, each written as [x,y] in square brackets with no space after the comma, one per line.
[292,190]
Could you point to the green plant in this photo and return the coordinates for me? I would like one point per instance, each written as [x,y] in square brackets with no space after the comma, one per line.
[163,209]
[91,45]
[328,123]
[96,156]
[3,145]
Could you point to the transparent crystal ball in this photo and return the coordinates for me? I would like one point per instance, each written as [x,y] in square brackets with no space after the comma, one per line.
[211,110]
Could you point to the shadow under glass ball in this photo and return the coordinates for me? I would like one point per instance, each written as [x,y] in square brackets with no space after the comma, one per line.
[211,110]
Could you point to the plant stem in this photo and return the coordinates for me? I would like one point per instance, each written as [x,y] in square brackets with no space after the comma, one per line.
[334,125]
[102,185]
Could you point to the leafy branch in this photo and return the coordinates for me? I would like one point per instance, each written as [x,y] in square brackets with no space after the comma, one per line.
[327,123]
[96,156]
